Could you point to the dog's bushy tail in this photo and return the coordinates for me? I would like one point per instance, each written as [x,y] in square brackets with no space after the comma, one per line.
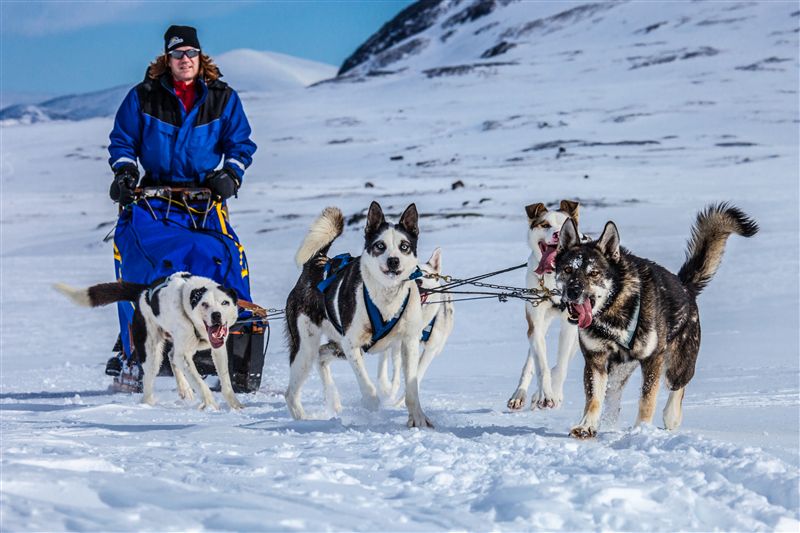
[706,245]
[328,226]
[102,294]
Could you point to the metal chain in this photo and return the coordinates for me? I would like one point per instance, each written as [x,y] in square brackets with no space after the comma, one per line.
[532,295]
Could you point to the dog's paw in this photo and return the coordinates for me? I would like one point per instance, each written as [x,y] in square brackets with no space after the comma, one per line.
[516,401]
[371,402]
[149,400]
[419,421]
[235,404]
[211,405]
[542,400]
[583,432]
[295,408]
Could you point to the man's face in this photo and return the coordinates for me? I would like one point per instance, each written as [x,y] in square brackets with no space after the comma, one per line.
[186,68]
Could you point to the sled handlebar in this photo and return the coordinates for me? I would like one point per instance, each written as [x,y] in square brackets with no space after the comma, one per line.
[187,193]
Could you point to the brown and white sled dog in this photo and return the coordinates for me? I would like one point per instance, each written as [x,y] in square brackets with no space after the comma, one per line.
[543,232]
[438,316]
[631,311]
[376,283]
[192,312]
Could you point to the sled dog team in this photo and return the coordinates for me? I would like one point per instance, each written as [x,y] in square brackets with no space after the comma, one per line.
[622,310]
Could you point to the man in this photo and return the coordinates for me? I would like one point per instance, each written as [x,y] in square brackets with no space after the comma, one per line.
[180,123]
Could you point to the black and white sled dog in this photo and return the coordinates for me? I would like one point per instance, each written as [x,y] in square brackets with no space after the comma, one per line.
[369,303]
[632,311]
[543,228]
[192,312]
[438,314]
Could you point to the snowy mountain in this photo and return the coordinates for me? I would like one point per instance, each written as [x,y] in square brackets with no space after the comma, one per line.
[246,70]
[645,112]
[451,37]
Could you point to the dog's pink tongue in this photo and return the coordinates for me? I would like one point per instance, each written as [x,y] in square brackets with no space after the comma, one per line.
[584,314]
[547,263]
[217,334]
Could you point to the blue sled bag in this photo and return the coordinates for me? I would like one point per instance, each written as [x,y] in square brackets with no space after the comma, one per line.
[173,230]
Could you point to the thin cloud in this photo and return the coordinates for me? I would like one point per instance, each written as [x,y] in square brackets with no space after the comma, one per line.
[37,19]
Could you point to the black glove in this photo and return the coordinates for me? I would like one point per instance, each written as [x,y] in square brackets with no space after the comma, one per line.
[125,179]
[223,183]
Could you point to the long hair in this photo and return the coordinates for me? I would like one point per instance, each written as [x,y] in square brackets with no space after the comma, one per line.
[208,71]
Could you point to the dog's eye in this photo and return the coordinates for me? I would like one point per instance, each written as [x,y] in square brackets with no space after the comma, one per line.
[568,270]
[380,247]
[205,305]
[546,225]
[405,247]
[594,274]
[226,302]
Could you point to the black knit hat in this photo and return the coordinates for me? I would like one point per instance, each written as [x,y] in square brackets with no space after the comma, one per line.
[177,36]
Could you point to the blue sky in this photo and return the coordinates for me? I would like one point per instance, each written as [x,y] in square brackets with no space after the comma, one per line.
[62,47]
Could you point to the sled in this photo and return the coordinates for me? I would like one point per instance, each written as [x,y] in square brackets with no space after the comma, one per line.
[170,229]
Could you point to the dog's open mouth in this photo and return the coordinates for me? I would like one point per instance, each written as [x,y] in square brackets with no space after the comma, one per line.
[423,296]
[547,263]
[391,272]
[581,314]
[217,334]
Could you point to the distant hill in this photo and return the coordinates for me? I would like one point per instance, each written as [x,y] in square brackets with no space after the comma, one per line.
[246,70]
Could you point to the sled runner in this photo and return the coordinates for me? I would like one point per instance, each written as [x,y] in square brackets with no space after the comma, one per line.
[168,230]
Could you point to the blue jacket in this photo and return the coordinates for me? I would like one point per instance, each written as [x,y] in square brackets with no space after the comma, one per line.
[176,147]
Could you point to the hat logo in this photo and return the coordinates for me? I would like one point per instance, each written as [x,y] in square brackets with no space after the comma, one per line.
[174,41]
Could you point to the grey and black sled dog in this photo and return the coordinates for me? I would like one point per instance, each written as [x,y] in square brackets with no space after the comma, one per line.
[369,303]
[631,311]
[191,312]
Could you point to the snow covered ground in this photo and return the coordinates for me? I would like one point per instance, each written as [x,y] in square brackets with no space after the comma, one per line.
[646,147]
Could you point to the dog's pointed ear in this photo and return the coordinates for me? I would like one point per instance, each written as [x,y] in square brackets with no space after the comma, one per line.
[609,241]
[570,208]
[435,261]
[374,217]
[196,295]
[231,293]
[567,236]
[535,210]
[409,220]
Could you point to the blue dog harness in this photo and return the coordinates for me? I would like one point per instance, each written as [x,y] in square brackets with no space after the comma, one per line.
[380,328]
[426,333]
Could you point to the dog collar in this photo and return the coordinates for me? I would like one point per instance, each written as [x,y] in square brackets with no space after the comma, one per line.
[152,290]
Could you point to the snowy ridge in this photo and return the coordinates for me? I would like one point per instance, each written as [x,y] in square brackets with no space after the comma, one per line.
[255,71]
[503,33]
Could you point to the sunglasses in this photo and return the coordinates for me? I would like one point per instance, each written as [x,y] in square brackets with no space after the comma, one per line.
[179,54]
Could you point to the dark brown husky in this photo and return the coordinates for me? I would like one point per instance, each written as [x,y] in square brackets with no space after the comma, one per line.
[630,310]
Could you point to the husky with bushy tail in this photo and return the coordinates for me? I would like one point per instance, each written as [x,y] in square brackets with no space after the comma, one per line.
[632,312]
[368,303]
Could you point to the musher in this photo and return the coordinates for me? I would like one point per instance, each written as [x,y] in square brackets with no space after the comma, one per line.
[179,124]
